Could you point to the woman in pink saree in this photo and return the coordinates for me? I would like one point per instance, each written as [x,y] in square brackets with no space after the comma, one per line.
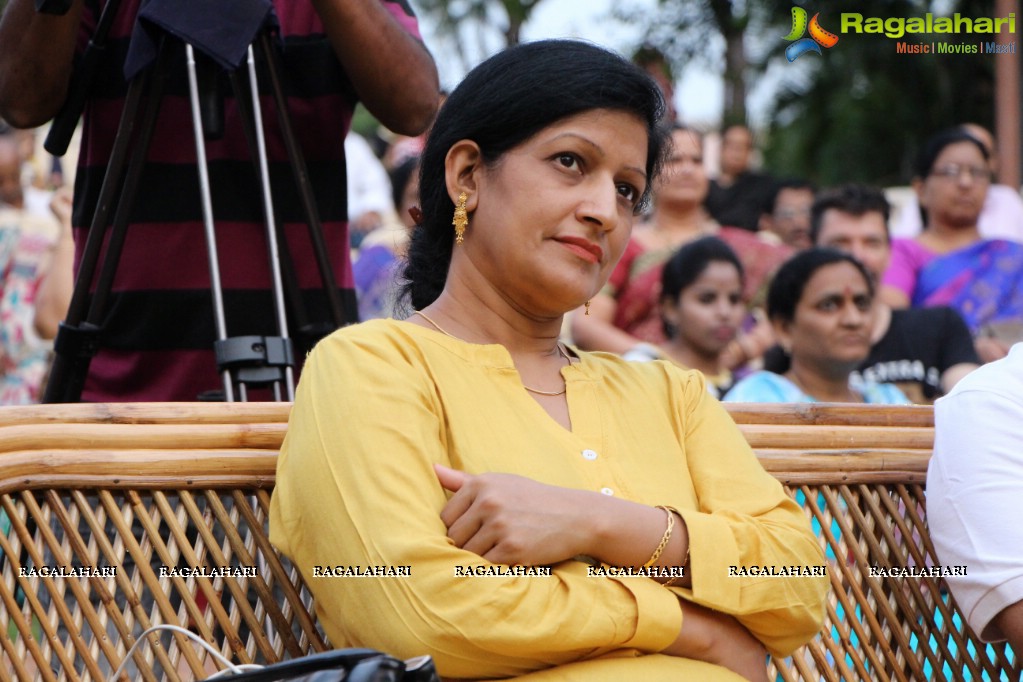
[949,263]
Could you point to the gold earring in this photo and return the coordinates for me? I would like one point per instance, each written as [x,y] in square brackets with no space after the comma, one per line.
[461,220]
[587,307]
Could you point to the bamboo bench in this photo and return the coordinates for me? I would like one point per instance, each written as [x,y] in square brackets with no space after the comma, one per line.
[138,486]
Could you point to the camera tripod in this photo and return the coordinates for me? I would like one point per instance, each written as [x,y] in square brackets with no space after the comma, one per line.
[242,361]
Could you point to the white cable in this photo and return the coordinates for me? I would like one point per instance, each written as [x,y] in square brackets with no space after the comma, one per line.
[239,668]
[231,667]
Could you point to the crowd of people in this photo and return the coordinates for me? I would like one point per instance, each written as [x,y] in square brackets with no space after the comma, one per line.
[547,243]
[946,276]
[944,301]
[923,344]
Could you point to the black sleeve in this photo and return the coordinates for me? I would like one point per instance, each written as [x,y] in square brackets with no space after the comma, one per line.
[956,343]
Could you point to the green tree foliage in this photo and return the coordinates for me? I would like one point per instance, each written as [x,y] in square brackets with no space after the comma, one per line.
[860,111]
[857,112]
[455,17]
[721,35]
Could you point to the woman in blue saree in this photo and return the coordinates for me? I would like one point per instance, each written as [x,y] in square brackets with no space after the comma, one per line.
[949,263]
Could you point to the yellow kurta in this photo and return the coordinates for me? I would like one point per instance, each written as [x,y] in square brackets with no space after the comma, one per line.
[381,402]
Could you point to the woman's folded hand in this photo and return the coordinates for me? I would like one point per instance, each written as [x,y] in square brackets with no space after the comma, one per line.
[509,519]
[715,637]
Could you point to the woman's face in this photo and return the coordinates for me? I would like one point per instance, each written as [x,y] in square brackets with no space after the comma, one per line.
[954,191]
[553,215]
[709,311]
[684,180]
[833,320]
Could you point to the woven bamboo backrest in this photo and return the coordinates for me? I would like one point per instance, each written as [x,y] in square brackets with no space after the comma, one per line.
[140,487]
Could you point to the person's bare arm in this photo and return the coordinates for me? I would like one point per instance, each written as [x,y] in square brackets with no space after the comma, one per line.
[1010,621]
[990,349]
[715,637]
[57,285]
[895,298]
[951,376]
[513,520]
[392,72]
[36,52]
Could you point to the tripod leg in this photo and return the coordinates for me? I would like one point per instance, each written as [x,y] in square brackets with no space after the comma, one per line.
[302,180]
[271,231]
[76,342]
[207,214]
[128,193]
[296,306]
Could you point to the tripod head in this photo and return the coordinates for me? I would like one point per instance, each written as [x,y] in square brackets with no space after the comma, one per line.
[220,29]
[53,7]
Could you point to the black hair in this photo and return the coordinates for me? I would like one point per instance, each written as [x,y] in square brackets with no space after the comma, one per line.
[686,266]
[502,103]
[647,55]
[789,183]
[936,144]
[683,128]
[689,262]
[400,176]
[854,199]
[932,149]
[789,282]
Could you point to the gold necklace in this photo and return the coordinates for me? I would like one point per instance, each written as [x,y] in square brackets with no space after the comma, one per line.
[537,391]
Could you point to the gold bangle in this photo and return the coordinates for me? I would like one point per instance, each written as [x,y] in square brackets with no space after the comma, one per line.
[685,561]
[671,581]
[664,539]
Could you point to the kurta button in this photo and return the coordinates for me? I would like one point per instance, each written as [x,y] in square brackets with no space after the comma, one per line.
[590,454]
[607,491]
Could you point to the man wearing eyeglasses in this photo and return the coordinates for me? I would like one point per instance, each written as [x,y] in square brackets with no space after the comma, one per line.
[1002,214]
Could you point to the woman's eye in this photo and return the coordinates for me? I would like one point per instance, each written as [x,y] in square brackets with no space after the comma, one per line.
[568,160]
[628,192]
[827,305]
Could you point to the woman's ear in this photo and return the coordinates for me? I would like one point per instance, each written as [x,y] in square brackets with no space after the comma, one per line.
[462,167]
[669,311]
[782,335]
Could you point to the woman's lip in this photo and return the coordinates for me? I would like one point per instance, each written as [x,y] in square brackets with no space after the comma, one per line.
[724,333]
[583,248]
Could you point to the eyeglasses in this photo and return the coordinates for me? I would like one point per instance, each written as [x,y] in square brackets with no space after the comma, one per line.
[954,171]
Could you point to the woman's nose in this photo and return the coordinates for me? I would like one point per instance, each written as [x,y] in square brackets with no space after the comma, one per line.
[600,205]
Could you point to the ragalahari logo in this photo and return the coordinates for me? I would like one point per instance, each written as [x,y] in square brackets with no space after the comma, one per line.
[818,36]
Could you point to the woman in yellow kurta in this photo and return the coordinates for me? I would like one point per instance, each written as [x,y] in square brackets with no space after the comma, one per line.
[469,439]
